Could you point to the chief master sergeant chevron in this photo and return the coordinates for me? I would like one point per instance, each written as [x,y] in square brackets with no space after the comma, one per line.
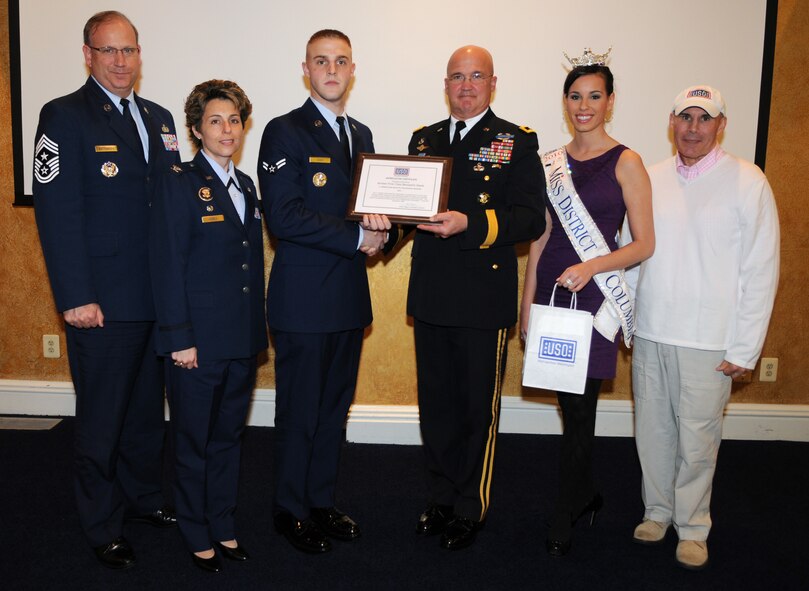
[97,154]
[463,291]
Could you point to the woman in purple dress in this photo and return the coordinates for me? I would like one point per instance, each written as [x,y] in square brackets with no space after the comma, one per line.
[609,181]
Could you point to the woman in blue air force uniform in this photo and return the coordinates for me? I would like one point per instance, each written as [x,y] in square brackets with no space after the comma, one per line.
[207,262]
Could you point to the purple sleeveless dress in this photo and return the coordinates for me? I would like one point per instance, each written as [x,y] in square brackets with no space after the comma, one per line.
[598,189]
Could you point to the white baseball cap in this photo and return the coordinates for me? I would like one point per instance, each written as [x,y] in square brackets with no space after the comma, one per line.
[704,97]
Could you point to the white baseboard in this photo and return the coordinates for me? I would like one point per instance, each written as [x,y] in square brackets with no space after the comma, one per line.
[372,423]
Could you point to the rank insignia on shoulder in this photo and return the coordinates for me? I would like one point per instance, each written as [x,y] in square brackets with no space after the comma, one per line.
[418,129]
[273,168]
[526,129]
[46,161]
[205,194]
[109,169]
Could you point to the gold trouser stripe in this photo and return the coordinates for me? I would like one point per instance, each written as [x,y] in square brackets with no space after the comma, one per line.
[491,216]
[488,461]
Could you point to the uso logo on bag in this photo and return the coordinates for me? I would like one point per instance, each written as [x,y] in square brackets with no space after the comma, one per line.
[557,349]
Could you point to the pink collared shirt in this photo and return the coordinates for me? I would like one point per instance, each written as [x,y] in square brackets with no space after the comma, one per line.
[702,165]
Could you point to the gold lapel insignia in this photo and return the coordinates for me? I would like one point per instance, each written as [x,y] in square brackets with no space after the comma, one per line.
[319,179]
[176,168]
[165,128]
[421,147]
[109,169]
[318,123]
[205,194]
[483,198]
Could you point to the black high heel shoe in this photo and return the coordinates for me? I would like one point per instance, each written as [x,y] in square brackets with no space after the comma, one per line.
[594,506]
[559,538]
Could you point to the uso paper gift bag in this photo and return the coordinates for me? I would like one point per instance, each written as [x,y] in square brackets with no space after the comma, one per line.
[557,347]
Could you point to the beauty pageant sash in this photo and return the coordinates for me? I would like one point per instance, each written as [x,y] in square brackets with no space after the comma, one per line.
[617,310]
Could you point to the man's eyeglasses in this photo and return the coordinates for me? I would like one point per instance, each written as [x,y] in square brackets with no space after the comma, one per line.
[474,78]
[127,52]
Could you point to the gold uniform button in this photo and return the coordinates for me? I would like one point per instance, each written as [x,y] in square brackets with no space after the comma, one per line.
[486,178]
[495,266]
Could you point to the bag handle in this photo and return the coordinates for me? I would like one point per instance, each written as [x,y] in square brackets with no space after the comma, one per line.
[572,297]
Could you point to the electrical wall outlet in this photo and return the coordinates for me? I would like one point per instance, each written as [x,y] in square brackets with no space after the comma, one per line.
[769,369]
[50,346]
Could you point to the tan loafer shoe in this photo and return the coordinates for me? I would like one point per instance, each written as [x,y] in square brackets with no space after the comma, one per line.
[650,532]
[692,554]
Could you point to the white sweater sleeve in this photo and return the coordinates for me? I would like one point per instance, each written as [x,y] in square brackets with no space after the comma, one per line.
[758,273]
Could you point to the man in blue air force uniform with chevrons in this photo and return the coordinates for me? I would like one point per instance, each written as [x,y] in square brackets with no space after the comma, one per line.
[318,302]
[95,164]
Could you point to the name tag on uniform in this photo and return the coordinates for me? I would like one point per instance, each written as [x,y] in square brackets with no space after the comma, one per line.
[111,148]
[319,160]
[207,219]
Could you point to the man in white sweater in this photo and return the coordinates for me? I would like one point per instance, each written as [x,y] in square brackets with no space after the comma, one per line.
[703,305]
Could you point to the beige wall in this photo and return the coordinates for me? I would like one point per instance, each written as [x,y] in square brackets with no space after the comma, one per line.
[387,373]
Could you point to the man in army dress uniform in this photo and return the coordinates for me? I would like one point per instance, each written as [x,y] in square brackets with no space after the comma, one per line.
[463,291]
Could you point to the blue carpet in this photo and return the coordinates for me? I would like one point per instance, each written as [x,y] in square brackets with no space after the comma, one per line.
[760,513]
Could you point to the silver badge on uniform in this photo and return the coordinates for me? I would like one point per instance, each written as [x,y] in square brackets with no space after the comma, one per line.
[109,169]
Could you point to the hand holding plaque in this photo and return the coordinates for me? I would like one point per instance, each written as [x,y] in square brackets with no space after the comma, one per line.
[407,189]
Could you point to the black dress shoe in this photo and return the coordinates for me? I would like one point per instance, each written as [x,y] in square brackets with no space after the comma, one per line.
[162,518]
[434,520]
[211,565]
[460,533]
[334,523]
[117,554]
[303,535]
[237,553]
